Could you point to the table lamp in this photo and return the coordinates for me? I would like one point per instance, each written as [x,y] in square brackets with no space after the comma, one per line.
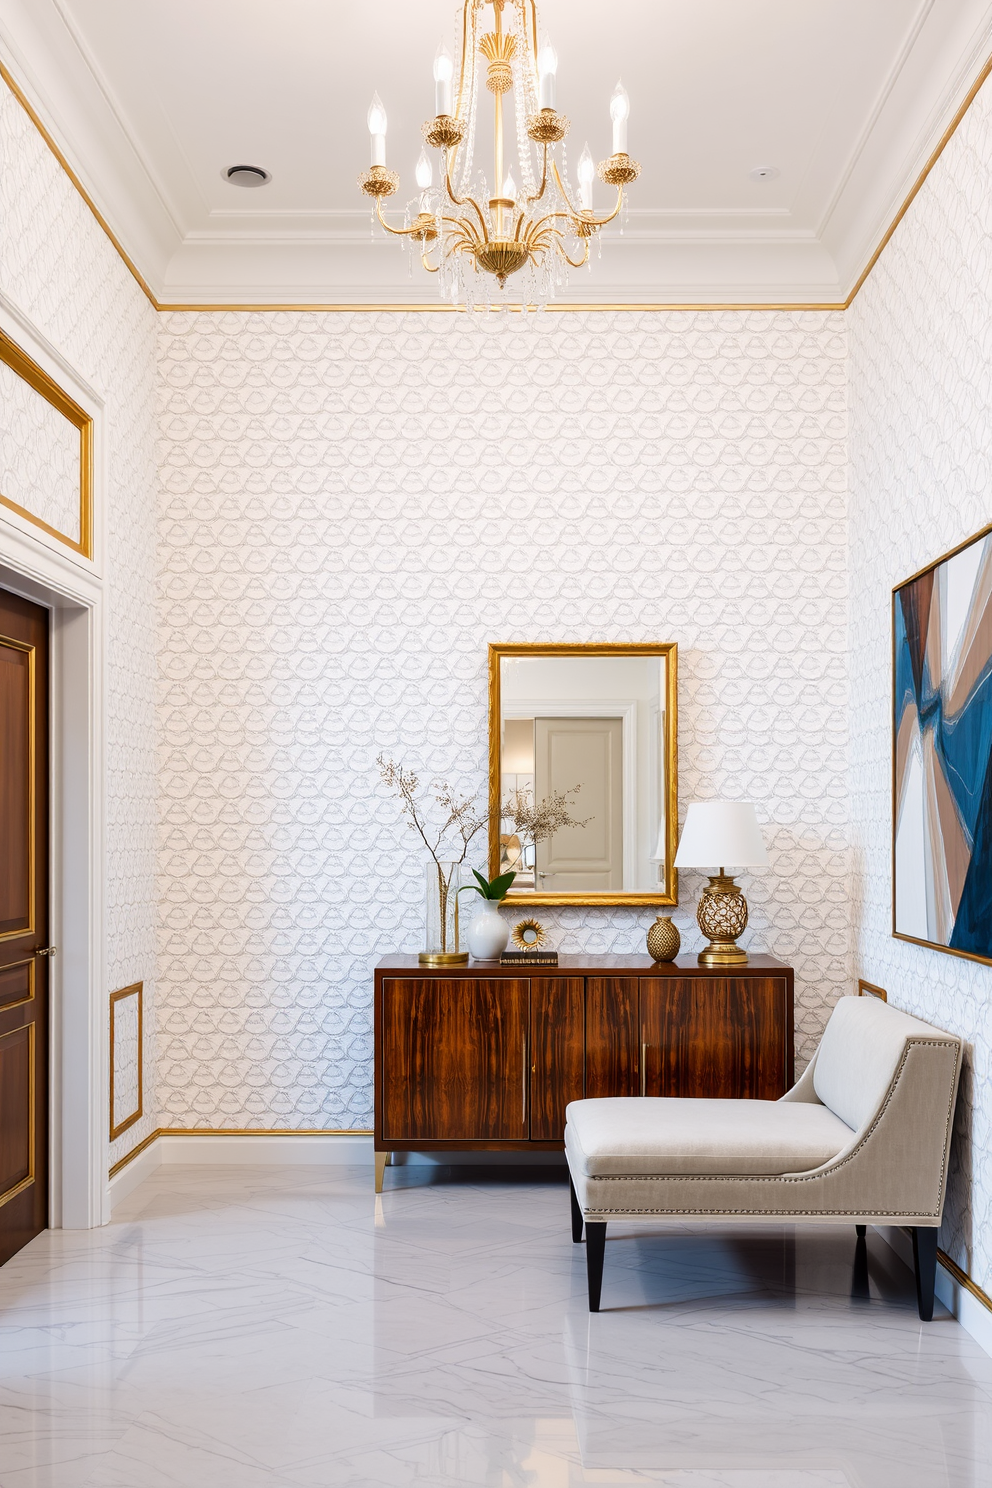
[719,832]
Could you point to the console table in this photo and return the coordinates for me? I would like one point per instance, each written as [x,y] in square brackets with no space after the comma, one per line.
[486,1057]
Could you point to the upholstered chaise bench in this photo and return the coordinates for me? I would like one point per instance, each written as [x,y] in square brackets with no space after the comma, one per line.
[862,1138]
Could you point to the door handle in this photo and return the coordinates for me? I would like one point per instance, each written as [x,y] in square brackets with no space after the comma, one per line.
[644,1067]
[47,951]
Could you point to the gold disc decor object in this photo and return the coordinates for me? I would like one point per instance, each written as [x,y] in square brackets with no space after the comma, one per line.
[664,940]
[722,916]
[529,935]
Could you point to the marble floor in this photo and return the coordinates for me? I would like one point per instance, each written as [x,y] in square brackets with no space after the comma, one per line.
[261,1328]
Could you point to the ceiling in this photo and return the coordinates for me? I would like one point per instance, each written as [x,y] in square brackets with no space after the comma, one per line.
[150,100]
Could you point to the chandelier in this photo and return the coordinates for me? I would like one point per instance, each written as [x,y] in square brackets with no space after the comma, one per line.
[478,239]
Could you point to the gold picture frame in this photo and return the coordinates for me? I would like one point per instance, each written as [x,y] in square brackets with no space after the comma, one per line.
[667,891]
[37,378]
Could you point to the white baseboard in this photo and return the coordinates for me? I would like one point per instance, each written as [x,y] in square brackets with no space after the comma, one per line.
[970,1313]
[266,1151]
[136,1172]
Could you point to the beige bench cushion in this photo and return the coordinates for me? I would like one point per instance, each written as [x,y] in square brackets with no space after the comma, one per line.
[665,1135]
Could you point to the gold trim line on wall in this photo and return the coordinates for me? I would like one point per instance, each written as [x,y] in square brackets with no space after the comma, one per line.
[46,387]
[697,306]
[136,989]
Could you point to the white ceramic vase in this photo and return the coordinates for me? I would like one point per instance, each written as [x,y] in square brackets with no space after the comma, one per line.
[488,932]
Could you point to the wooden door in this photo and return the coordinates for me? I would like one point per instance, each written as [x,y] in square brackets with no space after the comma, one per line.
[718,1037]
[454,1060]
[556,1042]
[586,752]
[611,1036]
[23,922]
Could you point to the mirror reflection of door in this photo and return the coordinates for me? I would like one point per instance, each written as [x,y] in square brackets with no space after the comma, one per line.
[586,752]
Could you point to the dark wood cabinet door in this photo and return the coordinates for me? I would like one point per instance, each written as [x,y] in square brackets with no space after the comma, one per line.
[611,1036]
[24,872]
[556,1044]
[722,1037]
[454,1059]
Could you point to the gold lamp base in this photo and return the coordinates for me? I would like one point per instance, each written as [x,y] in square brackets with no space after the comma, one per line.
[443,958]
[722,916]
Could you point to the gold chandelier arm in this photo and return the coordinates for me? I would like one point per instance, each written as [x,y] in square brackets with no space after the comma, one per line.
[468,201]
[431,268]
[579,263]
[544,180]
[581,216]
[397,232]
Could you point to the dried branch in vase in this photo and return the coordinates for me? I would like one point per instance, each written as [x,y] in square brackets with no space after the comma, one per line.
[462,817]
[538,820]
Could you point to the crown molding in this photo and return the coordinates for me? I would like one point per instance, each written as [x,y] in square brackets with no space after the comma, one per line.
[699,260]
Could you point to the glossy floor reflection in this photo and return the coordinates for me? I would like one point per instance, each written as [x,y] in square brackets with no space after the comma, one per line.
[259,1328]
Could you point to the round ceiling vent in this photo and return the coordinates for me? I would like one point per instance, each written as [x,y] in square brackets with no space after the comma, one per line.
[247,175]
[764,173]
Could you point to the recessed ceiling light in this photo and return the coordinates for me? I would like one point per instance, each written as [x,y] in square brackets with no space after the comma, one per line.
[764,173]
[247,175]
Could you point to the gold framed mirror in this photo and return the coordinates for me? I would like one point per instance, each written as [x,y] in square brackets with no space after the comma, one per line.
[583,786]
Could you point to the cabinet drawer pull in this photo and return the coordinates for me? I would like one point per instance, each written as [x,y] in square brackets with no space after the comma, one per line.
[644,1067]
[523,1113]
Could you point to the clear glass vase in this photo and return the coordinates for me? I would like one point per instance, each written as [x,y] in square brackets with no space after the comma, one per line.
[445,930]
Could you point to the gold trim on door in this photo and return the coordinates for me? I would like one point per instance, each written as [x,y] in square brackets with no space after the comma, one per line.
[27,1181]
[29,650]
[21,364]
[135,990]
[31,964]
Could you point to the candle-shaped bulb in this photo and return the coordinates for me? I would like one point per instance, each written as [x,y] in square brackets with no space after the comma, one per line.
[377,129]
[444,70]
[377,116]
[586,172]
[547,72]
[425,172]
[510,187]
[619,109]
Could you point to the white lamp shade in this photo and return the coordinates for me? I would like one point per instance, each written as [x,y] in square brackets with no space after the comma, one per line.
[721,834]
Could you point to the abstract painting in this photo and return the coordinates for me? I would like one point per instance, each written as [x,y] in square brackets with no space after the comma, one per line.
[942,753]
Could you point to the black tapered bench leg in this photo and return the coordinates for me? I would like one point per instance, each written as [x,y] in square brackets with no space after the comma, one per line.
[861,1231]
[925,1264]
[576,1214]
[595,1255]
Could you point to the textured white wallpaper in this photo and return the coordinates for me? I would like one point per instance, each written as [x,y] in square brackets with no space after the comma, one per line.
[60,268]
[921,436]
[354,505]
[39,455]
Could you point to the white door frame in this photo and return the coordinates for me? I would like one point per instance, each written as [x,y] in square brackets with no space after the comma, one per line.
[40,568]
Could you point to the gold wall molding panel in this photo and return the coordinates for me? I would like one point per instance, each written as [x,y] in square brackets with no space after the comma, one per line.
[330,307]
[63,510]
[127,1061]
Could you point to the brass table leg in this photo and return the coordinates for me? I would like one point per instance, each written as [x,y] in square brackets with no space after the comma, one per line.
[382,1162]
